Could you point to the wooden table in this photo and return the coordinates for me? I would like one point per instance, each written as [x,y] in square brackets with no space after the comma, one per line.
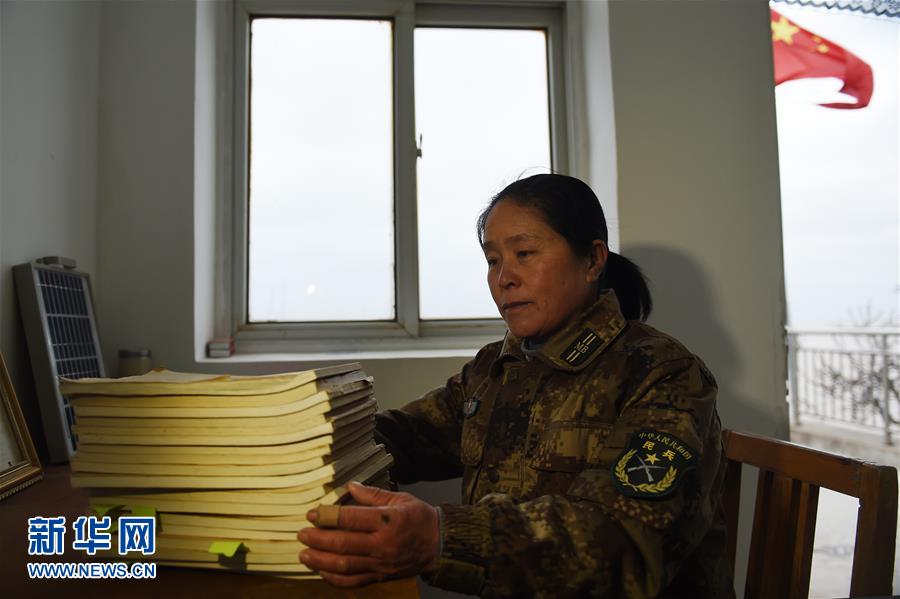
[54,496]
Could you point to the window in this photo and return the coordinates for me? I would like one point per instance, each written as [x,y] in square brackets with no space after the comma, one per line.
[368,137]
[321,166]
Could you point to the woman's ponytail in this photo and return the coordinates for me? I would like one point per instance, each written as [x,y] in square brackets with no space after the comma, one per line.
[625,278]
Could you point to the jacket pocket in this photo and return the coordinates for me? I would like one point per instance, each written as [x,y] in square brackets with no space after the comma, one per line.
[570,446]
[472,445]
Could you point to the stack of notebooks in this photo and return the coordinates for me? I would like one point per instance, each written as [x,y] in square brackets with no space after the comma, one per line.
[229,465]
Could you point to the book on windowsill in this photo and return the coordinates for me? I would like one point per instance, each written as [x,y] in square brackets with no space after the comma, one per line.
[228,465]
[220,348]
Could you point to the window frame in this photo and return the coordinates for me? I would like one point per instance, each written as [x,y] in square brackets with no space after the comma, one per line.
[407,331]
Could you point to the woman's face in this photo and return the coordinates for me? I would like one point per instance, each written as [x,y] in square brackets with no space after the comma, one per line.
[536,280]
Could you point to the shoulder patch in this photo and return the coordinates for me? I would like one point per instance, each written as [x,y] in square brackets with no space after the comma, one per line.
[581,349]
[652,465]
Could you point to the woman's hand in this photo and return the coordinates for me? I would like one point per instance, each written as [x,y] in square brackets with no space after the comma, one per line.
[389,535]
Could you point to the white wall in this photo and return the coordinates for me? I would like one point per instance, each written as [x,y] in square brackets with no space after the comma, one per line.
[146,186]
[699,200]
[48,155]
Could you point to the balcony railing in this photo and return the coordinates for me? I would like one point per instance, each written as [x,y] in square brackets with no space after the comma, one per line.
[850,376]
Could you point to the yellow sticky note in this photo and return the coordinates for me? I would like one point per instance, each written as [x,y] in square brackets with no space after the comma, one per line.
[143,511]
[226,548]
[102,509]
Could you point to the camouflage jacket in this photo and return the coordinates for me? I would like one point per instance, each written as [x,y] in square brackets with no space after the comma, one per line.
[591,467]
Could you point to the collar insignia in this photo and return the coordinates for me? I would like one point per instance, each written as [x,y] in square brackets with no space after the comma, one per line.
[581,349]
[652,465]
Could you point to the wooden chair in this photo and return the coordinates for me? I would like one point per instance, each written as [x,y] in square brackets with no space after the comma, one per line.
[784,520]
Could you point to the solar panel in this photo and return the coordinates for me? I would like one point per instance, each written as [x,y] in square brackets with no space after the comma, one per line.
[61,331]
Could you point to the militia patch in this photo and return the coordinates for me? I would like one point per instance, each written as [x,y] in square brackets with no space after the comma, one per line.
[470,406]
[581,348]
[652,465]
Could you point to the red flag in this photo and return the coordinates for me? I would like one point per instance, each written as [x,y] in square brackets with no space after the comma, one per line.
[799,53]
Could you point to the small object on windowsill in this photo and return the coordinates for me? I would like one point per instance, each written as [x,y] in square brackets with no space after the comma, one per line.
[222,347]
[134,362]
[58,262]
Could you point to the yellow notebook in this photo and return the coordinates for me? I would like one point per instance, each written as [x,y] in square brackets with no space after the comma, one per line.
[169,383]
[293,432]
[85,479]
[182,454]
[272,404]
[225,565]
[274,503]
[326,402]
[81,463]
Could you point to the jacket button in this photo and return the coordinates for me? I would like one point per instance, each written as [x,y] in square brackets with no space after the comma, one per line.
[493,475]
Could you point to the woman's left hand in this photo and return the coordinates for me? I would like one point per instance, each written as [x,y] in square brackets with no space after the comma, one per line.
[388,535]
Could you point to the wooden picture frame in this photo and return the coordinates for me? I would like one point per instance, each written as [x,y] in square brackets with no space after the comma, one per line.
[19,464]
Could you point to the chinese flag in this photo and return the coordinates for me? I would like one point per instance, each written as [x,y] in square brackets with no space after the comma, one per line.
[799,53]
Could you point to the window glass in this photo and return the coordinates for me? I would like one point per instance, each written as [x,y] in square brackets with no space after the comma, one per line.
[321,192]
[482,109]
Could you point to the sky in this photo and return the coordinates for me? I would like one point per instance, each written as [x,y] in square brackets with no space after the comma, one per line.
[840,181]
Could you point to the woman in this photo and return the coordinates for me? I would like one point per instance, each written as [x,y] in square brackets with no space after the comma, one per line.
[588,442]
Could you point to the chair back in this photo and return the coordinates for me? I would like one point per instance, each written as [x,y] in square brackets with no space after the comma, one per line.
[784,518]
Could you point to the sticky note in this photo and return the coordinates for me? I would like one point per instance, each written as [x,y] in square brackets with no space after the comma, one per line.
[226,548]
[143,511]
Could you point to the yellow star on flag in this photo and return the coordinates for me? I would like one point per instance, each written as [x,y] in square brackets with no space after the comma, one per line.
[651,457]
[783,30]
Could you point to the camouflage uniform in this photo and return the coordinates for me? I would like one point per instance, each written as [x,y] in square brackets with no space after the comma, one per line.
[591,467]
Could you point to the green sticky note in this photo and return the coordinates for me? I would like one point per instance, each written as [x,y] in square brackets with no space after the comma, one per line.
[226,548]
[102,509]
[143,511]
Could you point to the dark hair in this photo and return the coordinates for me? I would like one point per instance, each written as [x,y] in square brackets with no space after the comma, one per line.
[572,209]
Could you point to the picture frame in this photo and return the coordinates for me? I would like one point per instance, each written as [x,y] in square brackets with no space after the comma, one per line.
[19,463]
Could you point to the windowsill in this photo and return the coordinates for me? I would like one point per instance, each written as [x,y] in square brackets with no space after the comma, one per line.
[269,350]
[343,356]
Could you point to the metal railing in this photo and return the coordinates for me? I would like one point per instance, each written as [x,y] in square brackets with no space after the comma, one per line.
[851,376]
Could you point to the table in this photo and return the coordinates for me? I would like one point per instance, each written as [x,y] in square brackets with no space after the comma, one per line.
[54,496]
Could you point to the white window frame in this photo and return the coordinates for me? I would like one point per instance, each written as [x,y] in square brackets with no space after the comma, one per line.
[407,332]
